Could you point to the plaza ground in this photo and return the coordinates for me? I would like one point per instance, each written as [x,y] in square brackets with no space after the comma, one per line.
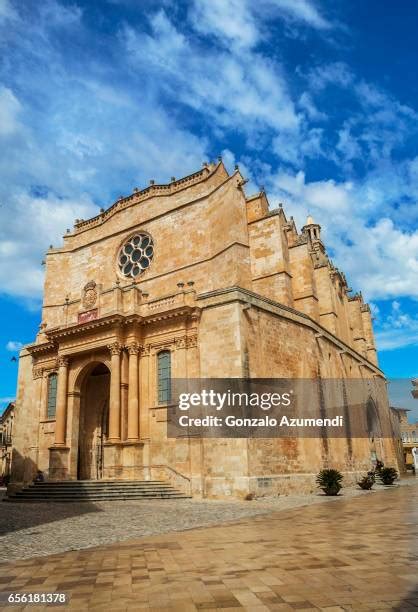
[358,552]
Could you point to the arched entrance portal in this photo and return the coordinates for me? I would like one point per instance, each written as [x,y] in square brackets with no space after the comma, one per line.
[94,417]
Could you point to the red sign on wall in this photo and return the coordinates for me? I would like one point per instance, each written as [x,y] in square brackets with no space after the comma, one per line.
[89,315]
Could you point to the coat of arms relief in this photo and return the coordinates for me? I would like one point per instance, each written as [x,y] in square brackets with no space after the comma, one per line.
[89,295]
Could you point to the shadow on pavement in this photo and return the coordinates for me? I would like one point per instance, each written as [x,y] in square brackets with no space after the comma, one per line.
[409,603]
[23,515]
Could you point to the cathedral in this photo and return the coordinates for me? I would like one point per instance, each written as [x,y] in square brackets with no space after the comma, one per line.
[190,279]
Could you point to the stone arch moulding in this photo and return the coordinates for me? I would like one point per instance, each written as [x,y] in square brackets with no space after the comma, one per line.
[82,371]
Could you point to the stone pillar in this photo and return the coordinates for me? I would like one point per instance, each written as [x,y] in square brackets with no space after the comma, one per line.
[147,389]
[124,376]
[61,410]
[114,404]
[133,399]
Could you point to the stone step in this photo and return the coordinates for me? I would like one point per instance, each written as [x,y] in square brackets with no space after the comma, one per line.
[93,498]
[94,490]
[94,483]
[100,487]
[113,494]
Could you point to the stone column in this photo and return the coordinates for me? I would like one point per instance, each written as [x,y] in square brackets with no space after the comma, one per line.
[61,410]
[124,378]
[133,399]
[114,404]
[147,390]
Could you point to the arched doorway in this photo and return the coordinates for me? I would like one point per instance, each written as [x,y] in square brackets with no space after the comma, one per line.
[93,425]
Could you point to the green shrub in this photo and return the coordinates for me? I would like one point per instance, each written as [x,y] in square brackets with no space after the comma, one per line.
[329,481]
[366,482]
[388,475]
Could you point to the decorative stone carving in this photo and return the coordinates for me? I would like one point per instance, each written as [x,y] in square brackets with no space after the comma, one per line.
[186,342]
[37,372]
[180,343]
[133,348]
[115,348]
[89,295]
[62,361]
[145,350]
[191,341]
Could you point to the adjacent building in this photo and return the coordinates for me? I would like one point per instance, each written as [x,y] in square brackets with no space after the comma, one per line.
[6,441]
[409,435]
[189,279]
[415,388]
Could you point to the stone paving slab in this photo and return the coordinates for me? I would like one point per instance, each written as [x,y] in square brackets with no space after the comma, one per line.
[36,529]
[348,554]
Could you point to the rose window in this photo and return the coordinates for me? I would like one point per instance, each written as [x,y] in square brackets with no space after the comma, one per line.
[136,255]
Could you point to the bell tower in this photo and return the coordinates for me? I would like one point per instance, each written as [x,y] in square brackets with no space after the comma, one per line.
[312,229]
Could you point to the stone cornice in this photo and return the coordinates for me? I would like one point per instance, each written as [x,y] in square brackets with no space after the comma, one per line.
[79,328]
[37,349]
[186,311]
[245,296]
[274,212]
[147,317]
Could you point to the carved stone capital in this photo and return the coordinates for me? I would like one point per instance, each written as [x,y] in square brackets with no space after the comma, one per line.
[37,372]
[115,348]
[133,348]
[62,361]
[145,350]
[191,341]
[185,342]
[180,343]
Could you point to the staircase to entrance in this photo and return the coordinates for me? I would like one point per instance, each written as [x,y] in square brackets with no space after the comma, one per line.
[96,490]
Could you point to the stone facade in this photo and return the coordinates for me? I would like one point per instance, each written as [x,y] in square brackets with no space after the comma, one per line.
[409,435]
[6,440]
[230,288]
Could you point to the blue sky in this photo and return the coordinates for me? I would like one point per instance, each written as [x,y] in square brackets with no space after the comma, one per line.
[316,100]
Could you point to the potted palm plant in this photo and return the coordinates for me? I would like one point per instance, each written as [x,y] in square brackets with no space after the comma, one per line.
[329,481]
[388,475]
[366,483]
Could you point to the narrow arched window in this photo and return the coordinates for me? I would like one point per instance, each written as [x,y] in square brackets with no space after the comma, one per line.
[52,395]
[164,377]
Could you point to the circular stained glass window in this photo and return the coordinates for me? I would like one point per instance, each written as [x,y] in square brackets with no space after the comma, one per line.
[135,256]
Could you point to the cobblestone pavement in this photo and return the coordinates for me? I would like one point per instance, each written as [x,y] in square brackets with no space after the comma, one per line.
[37,529]
[348,554]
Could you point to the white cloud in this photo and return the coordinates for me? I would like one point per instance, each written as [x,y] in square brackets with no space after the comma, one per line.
[14,345]
[304,11]
[378,257]
[85,129]
[236,90]
[79,144]
[27,226]
[229,20]
[243,23]
[307,104]
[397,330]
[347,145]
[10,109]
[7,12]
[334,73]
[377,124]
[55,14]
